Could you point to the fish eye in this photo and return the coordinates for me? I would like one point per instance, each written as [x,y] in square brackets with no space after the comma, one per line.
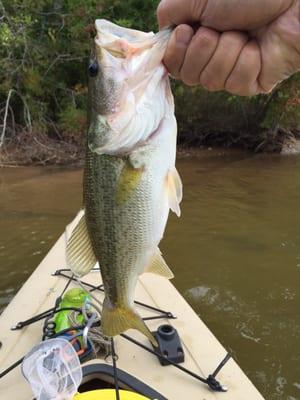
[93,69]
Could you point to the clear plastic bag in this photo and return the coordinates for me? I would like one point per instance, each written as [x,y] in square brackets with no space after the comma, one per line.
[53,370]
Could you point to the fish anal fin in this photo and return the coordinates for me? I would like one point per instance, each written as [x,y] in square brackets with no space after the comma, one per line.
[116,320]
[80,255]
[158,266]
[174,188]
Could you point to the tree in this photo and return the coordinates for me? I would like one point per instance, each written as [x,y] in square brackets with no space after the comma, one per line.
[44,51]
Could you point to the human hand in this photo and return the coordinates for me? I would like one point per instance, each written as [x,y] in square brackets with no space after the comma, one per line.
[244,47]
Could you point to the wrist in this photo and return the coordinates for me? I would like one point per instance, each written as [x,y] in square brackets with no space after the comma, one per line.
[289,33]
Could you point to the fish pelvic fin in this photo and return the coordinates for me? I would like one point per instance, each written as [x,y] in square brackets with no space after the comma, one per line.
[174,187]
[116,320]
[80,254]
[158,266]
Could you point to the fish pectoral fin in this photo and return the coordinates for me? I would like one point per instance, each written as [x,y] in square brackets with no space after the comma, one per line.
[158,266]
[128,181]
[80,254]
[116,320]
[174,187]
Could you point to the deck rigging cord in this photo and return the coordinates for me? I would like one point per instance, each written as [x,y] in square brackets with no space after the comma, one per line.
[91,332]
[114,360]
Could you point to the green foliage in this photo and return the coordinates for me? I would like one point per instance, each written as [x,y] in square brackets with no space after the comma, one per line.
[6,36]
[44,51]
[72,122]
[221,118]
[284,107]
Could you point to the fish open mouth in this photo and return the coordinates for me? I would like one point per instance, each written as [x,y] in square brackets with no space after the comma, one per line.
[120,41]
[137,87]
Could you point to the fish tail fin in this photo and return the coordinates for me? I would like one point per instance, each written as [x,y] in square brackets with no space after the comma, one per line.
[116,320]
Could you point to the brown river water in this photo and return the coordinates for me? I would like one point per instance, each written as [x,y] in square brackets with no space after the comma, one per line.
[235,251]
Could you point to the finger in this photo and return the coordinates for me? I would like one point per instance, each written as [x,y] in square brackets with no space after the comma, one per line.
[176,12]
[199,53]
[221,15]
[243,80]
[242,15]
[177,48]
[223,61]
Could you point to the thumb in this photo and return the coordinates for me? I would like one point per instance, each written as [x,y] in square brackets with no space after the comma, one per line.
[176,12]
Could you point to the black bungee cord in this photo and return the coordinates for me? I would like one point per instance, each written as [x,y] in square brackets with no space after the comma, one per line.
[210,380]
[114,362]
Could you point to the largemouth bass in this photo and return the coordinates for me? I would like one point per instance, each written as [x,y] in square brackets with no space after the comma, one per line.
[130,180]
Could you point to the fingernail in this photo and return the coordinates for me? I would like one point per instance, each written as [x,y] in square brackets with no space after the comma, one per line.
[184,35]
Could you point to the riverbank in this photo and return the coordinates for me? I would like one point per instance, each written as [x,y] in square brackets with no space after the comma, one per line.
[68,158]
[40,150]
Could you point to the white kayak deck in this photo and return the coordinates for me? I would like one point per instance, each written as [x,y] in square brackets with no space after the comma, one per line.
[202,350]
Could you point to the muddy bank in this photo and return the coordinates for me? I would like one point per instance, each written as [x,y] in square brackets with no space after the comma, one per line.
[39,149]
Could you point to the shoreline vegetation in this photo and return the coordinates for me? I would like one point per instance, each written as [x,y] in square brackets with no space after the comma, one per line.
[44,53]
[67,155]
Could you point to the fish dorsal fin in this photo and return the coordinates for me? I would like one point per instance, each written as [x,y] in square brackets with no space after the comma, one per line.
[174,187]
[158,266]
[80,255]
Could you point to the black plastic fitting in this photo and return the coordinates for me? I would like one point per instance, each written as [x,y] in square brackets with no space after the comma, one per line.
[169,345]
